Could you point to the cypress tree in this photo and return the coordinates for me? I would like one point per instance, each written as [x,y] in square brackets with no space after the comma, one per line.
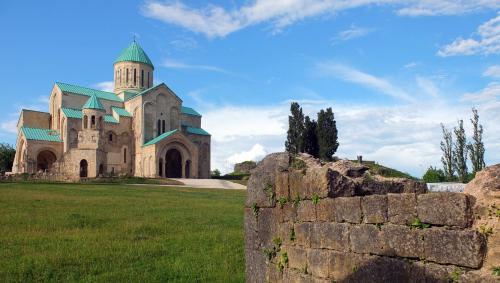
[460,152]
[310,137]
[327,134]
[447,158]
[295,135]
[476,149]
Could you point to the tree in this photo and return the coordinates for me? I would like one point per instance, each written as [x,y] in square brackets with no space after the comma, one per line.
[327,134]
[460,152]
[295,141]
[476,149]
[447,148]
[7,154]
[434,175]
[310,137]
[215,173]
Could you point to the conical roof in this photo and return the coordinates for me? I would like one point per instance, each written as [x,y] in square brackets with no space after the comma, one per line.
[93,103]
[134,53]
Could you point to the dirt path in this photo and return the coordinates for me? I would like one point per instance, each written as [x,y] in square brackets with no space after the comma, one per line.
[211,183]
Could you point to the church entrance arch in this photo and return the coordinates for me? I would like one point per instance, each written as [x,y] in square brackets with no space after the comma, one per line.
[44,160]
[83,168]
[173,160]
[187,170]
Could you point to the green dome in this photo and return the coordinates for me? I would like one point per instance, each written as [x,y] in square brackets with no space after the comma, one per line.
[134,53]
[93,103]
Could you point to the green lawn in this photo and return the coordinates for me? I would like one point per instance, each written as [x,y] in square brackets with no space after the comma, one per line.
[120,233]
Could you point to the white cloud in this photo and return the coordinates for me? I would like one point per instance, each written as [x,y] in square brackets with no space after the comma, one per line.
[184,43]
[175,64]
[106,86]
[216,21]
[486,41]
[351,33]
[428,86]
[9,127]
[411,65]
[489,93]
[492,71]
[347,73]
[256,153]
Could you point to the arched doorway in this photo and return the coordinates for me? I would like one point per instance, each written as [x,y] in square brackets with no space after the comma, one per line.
[44,160]
[187,170]
[173,168]
[101,169]
[83,168]
[160,168]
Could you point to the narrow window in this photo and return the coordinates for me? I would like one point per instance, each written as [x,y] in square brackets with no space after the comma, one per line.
[85,121]
[120,75]
[110,137]
[158,127]
[124,155]
[142,78]
[92,122]
[135,76]
[126,78]
[163,126]
[149,85]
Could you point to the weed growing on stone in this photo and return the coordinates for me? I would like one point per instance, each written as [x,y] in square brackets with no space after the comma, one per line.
[292,234]
[304,269]
[269,192]
[496,271]
[418,224]
[315,198]
[282,201]
[296,201]
[486,231]
[283,261]
[298,164]
[379,226]
[255,210]
[455,275]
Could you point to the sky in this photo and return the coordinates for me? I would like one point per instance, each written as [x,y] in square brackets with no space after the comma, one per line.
[391,70]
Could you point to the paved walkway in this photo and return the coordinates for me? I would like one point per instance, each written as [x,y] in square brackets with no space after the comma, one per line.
[211,183]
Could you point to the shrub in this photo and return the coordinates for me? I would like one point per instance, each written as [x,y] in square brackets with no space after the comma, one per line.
[434,175]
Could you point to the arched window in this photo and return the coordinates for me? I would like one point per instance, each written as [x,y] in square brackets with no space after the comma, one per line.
[158,128]
[125,155]
[92,122]
[126,77]
[135,76]
[142,78]
[163,126]
[85,121]
[110,137]
[149,85]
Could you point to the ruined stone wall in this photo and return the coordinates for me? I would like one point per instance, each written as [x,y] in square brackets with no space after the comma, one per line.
[311,222]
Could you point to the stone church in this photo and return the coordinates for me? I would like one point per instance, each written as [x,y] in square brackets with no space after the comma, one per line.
[138,130]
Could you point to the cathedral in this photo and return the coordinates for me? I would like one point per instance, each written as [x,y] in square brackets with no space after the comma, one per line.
[139,129]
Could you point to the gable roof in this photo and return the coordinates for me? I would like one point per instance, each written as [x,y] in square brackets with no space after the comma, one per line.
[93,103]
[134,53]
[64,87]
[189,111]
[41,134]
[121,111]
[197,131]
[160,137]
[72,113]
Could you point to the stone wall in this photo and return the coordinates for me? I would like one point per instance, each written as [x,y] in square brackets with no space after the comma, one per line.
[306,221]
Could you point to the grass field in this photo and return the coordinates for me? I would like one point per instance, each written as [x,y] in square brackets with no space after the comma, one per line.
[120,233]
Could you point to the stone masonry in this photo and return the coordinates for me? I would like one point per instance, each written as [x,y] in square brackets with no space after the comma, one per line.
[307,221]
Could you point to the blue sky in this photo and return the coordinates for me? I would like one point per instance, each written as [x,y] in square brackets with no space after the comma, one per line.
[391,70]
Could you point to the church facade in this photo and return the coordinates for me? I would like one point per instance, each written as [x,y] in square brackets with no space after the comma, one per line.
[138,130]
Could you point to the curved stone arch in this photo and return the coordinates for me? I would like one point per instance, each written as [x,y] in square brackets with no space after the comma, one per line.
[186,148]
[21,155]
[52,162]
[54,151]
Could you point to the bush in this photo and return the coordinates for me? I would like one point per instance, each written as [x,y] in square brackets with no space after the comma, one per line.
[7,154]
[215,173]
[434,175]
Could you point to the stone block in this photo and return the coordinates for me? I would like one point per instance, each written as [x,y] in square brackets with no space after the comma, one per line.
[374,208]
[366,238]
[436,273]
[402,208]
[251,235]
[284,232]
[318,262]
[296,276]
[450,209]
[288,213]
[297,257]
[282,188]
[306,211]
[343,265]
[402,241]
[273,274]
[347,209]
[266,226]
[316,235]
[317,181]
[324,210]
[463,248]
[303,234]
[340,186]
[255,265]
[296,184]
[335,236]
[384,269]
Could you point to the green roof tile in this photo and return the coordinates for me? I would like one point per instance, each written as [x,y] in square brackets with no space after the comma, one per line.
[88,91]
[41,134]
[93,103]
[197,131]
[134,53]
[160,137]
[189,111]
[121,111]
[72,113]
[110,119]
